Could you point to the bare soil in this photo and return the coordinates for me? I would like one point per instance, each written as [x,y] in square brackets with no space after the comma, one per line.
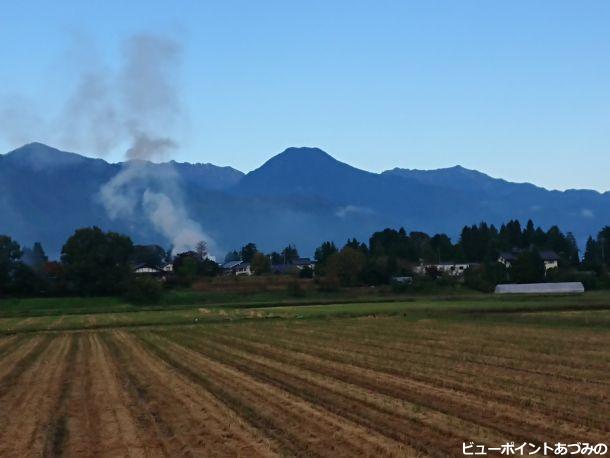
[340,388]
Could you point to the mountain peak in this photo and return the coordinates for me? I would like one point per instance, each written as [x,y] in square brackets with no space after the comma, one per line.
[33,148]
[299,159]
[304,150]
[38,155]
[304,171]
[304,153]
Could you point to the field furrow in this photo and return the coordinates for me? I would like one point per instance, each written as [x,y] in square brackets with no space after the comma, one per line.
[464,371]
[29,407]
[303,428]
[153,383]
[388,416]
[439,395]
[449,344]
[192,421]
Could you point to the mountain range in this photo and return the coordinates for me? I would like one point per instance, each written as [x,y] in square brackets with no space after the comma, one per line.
[302,196]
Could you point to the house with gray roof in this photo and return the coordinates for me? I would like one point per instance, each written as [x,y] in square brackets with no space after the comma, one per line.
[236,268]
[549,257]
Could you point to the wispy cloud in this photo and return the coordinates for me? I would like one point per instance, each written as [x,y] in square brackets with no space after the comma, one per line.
[348,210]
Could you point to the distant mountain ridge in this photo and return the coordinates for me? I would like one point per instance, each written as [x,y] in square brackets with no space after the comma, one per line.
[302,196]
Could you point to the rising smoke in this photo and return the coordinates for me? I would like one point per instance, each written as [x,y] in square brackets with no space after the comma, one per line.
[148,103]
[137,107]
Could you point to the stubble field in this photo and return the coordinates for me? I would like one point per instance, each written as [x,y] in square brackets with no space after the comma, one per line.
[340,386]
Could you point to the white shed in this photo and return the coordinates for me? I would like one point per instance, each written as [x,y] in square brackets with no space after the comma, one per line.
[542,288]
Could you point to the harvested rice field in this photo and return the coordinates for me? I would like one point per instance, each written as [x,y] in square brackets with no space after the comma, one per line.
[340,387]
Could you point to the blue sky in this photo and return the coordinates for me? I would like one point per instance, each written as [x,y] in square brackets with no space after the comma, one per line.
[519,89]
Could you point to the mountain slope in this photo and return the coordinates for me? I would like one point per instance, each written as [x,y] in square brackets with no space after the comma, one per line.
[308,175]
[45,194]
[581,211]
[456,177]
[302,196]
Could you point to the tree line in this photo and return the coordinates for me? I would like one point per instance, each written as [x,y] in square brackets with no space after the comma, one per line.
[93,261]
[392,253]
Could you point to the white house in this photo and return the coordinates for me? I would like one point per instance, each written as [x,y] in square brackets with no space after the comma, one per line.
[237,268]
[550,258]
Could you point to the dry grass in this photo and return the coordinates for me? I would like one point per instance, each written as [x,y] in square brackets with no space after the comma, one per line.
[336,387]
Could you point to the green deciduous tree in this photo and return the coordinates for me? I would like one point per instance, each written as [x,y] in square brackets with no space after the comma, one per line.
[185,268]
[486,276]
[347,265]
[152,255]
[260,264]
[97,262]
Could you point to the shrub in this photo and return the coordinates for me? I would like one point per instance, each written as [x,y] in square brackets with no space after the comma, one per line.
[485,277]
[347,266]
[329,284]
[295,289]
[398,288]
[260,264]
[144,290]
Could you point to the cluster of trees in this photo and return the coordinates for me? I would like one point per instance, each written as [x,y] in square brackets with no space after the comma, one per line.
[261,263]
[483,243]
[97,262]
[20,269]
[597,252]
[249,251]
[392,253]
[92,262]
[192,264]
[591,269]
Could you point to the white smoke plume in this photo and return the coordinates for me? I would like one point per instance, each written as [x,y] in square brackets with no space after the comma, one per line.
[141,188]
[135,106]
[148,104]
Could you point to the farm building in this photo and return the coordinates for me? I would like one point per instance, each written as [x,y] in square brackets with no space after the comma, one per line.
[168,268]
[549,257]
[301,263]
[542,288]
[236,268]
[147,269]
